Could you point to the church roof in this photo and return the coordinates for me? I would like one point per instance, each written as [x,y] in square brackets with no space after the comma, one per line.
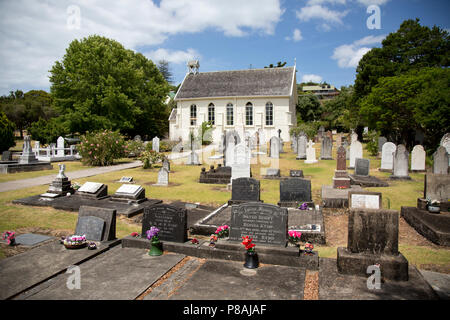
[238,83]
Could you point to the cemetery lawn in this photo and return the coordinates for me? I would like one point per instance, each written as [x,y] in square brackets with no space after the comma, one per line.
[184,186]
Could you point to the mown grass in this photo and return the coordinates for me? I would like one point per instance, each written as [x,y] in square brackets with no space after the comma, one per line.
[184,186]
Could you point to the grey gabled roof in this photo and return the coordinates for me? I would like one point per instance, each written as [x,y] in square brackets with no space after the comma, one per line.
[239,83]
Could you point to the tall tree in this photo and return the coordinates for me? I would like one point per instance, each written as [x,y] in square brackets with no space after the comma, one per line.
[412,46]
[101,85]
[308,108]
[6,133]
[164,68]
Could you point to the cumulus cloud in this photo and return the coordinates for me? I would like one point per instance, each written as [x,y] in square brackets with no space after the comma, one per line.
[319,12]
[296,36]
[371,2]
[348,55]
[172,56]
[36,33]
[311,78]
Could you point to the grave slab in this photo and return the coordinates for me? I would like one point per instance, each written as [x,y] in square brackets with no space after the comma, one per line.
[367,181]
[336,286]
[119,274]
[216,280]
[337,198]
[30,239]
[434,227]
[25,270]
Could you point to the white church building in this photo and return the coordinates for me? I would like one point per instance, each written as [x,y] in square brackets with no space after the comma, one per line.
[248,101]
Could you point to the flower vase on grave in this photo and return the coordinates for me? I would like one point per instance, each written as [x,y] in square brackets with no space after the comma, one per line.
[251,260]
[156,248]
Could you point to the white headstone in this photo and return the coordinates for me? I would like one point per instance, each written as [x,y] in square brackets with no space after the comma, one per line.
[275,147]
[356,151]
[241,164]
[301,146]
[310,153]
[90,187]
[128,188]
[418,156]
[60,147]
[445,142]
[155,144]
[353,137]
[401,158]
[387,156]
[163,177]
[229,153]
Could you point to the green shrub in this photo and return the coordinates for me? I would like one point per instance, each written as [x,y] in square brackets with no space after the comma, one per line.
[372,143]
[135,148]
[309,128]
[149,158]
[47,131]
[164,145]
[102,148]
[6,133]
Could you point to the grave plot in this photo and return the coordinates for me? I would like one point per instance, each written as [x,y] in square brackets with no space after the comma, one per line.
[129,200]
[362,177]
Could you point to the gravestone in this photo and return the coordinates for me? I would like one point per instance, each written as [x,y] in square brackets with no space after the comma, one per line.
[338,140]
[107,215]
[166,164]
[296,173]
[381,142]
[193,159]
[60,147]
[272,173]
[356,151]
[92,227]
[130,193]
[294,191]
[445,142]
[362,167]
[320,133]
[229,152]
[294,143]
[221,175]
[6,156]
[364,200]
[341,179]
[275,147]
[265,223]
[301,146]
[310,153]
[126,180]
[155,144]
[327,147]
[137,138]
[244,190]
[347,149]
[440,161]
[27,155]
[170,220]
[387,156]
[400,167]
[163,178]
[418,156]
[93,190]
[373,239]
[437,186]
[60,186]
[353,137]
[241,164]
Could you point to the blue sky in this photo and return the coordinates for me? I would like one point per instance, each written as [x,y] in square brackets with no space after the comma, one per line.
[326,37]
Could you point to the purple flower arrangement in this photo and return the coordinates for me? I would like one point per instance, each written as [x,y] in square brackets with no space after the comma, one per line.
[152,234]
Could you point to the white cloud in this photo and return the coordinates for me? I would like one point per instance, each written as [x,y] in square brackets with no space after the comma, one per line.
[311,78]
[348,55]
[319,12]
[370,2]
[172,56]
[296,36]
[35,33]
[333,2]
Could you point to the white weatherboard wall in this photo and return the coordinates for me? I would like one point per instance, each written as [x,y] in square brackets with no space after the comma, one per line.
[284,116]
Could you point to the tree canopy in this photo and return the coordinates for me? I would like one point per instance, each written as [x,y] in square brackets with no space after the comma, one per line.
[101,85]
[6,133]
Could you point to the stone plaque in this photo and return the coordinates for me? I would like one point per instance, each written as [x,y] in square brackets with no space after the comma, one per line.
[295,190]
[107,215]
[245,189]
[92,227]
[129,189]
[296,173]
[126,179]
[364,200]
[170,220]
[90,187]
[265,223]
[362,167]
[373,231]
[31,239]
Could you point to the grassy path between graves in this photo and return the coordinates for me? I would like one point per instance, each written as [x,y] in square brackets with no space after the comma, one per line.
[184,186]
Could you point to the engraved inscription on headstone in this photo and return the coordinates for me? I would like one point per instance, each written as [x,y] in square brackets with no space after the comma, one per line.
[90,187]
[170,220]
[364,200]
[90,226]
[265,223]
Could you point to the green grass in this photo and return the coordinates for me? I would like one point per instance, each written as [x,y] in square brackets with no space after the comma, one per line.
[184,186]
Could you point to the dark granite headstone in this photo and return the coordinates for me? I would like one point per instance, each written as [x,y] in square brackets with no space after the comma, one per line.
[362,167]
[107,215]
[265,223]
[295,190]
[296,173]
[92,227]
[170,220]
[245,190]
